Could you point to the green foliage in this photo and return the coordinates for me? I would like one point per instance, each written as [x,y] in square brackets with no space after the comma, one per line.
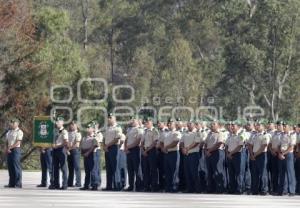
[52,21]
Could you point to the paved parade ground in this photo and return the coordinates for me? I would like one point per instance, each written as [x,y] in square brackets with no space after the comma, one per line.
[31,197]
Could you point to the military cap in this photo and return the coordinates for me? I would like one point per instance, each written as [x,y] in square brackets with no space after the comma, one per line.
[147,119]
[261,121]
[91,125]
[170,120]
[60,118]
[110,115]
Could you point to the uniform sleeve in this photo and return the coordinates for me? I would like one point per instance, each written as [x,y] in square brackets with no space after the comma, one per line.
[242,138]
[143,137]
[99,137]
[266,138]
[118,133]
[78,137]
[293,139]
[298,139]
[221,138]
[227,141]
[140,133]
[20,135]
[161,137]
[155,135]
[197,138]
[250,139]
[177,136]
[6,136]
[123,137]
[65,135]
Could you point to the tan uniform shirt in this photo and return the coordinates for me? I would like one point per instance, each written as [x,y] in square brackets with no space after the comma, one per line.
[61,136]
[275,140]
[88,142]
[12,136]
[74,138]
[287,140]
[150,136]
[189,138]
[133,135]
[111,133]
[260,139]
[214,138]
[163,133]
[172,137]
[235,140]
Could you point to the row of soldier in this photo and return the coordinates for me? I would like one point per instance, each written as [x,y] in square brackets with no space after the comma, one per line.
[194,157]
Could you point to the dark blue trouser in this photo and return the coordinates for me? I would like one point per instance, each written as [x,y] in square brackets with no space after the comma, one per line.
[161,169]
[191,164]
[60,163]
[74,167]
[133,165]
[181,173]
[91,168]
[46,166]
[260,175]
[14,167]
[274,172]
[297,174]
[111,167]
[202,171]
[286,175]
[150,171]
[236,173]
[216,176]
[171,161]
[247,170]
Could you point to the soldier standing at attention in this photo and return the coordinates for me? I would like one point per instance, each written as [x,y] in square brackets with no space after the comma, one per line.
[112,136]
[149,156]
[74,155]
[171,159]
[60,156]
[215,159]
[190,151]
[274,150]
[13,140]
[202,131]
[286,175]
[258,155]
[132,149]
[234,147]
[163,131]
[248,135]
[89,147]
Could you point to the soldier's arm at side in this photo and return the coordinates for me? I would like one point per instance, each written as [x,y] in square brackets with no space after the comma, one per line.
[215,147]
[261,149]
